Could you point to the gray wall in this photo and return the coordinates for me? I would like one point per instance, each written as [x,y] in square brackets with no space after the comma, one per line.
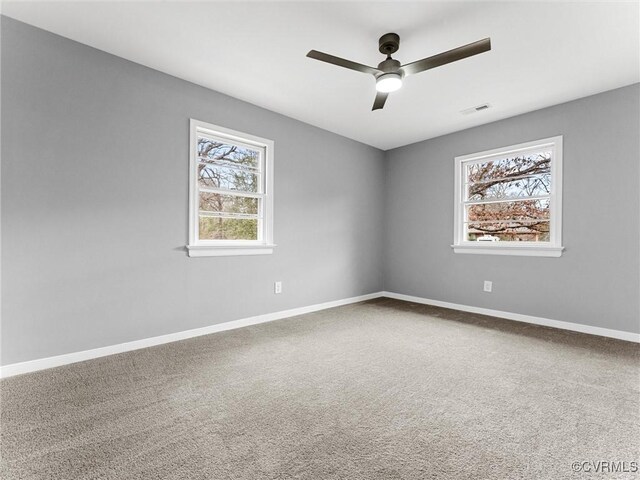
[94,209]
[94,205]
[595,282]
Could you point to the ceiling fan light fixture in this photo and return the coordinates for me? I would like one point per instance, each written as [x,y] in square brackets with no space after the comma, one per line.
[389,82]
[390,72]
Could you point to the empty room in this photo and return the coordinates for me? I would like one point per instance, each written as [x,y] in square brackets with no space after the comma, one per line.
[367,240]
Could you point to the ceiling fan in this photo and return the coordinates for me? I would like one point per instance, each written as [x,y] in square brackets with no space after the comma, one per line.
[390,72]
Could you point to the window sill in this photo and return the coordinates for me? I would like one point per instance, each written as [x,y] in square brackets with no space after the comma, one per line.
[228,250]
[522,250]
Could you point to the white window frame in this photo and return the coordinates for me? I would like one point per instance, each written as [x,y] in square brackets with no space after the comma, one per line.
[208,248]
[554,247]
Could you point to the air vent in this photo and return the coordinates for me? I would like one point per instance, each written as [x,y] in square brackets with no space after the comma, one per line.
[478,108]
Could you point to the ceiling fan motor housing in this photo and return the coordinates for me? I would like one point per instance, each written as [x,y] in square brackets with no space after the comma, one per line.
[390,66]
[389,43]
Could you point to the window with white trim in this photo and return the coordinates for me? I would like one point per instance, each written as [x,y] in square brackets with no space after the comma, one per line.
[230,192]
[508,201]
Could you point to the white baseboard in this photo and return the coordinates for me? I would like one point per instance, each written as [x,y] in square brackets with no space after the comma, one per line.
[576,327]
[59,360]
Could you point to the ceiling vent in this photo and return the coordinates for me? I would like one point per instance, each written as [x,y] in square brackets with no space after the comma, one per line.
[478,108]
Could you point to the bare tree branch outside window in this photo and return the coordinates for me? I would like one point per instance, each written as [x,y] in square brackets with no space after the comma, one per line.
[509,199]
[224,173]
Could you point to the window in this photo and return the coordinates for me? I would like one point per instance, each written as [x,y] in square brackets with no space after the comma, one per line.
[508,201]
[230,192]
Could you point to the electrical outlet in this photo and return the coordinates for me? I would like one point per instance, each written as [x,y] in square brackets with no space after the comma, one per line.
[488,286]
[277,287]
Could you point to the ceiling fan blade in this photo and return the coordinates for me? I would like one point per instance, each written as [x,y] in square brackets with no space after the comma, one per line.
[341,62]
[378,103]
[447,57]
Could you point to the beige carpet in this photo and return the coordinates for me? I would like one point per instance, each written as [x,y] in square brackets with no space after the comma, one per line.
[378,390]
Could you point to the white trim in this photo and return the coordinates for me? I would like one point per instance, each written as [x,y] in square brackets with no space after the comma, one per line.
[264,244]
[505,151]
[554,247]
[59,360]
[575,327]
[229,250]
[527,251]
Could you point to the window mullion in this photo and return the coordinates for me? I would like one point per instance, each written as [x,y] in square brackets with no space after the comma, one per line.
[505,200]
[235,193]
[510,220]
[214,214]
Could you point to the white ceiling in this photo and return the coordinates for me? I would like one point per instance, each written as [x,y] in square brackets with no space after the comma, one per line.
[543,53]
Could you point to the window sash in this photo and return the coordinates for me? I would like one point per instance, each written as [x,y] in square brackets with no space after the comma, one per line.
[523,222]
[552,247]
[259,171]
[264,195]
[467,202]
